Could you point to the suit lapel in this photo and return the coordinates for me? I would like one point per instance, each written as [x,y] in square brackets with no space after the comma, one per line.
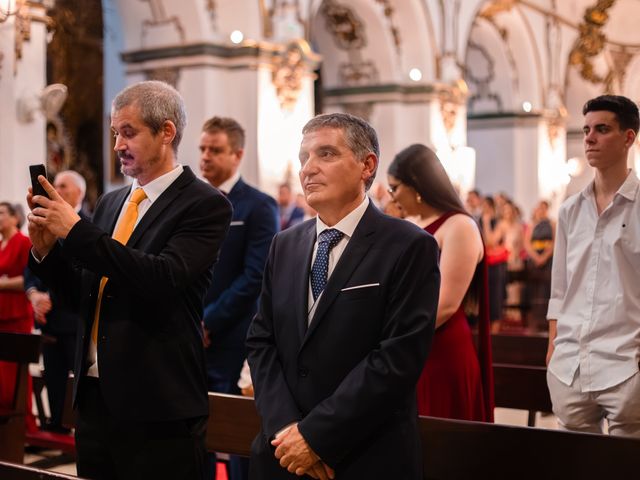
[357,248]
[112,212]
[164,200]
[300,280]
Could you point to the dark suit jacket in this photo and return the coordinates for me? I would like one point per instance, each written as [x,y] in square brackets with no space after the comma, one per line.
[349,378]
[150,353]
[232,299]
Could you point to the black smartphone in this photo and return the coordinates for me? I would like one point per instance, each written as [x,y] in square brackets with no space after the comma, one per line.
[35,171]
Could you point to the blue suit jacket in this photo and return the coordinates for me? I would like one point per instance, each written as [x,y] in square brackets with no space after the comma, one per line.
[232,299]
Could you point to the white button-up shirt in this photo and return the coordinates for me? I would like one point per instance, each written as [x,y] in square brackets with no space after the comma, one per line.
[595,289]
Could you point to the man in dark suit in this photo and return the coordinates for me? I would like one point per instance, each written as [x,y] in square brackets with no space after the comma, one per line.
[54,320]
[138,274]
[232,299]
[345,322]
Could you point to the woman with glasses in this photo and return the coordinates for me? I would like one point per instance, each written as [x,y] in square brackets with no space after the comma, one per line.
[452,384]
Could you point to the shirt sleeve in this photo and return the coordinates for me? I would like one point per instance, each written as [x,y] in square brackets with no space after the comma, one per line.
[559,268]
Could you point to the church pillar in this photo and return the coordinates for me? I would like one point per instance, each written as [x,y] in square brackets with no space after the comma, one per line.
[22,79]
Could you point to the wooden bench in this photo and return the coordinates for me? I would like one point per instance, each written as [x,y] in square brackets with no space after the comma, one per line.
[12,471]
[21,349]
[454,449]
[520,373]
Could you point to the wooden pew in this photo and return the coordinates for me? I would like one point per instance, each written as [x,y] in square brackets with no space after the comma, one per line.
[21,349]
[454,449]
[12,471]
[520,373]
[457,450]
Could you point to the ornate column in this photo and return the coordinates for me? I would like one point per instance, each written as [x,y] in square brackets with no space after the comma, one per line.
[22,80]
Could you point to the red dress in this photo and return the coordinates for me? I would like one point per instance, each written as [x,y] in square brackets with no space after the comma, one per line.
[16,315]
[453,384]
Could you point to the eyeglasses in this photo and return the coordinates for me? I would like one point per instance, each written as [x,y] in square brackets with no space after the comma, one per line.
[392,188]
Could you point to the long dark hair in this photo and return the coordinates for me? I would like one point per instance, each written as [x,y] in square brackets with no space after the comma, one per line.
[420,168]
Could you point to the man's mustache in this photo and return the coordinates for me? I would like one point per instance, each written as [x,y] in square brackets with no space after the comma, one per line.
[124,155]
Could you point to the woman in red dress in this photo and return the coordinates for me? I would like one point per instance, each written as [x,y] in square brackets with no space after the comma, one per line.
[16,314]
[456,381]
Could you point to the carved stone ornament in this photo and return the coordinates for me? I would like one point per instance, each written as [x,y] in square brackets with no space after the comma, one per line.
[346,27]
[591,41]
[452,97]
[358,72]
[160,18]
[289,69]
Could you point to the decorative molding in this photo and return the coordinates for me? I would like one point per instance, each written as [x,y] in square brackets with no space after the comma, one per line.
[452,99]
[289,69]
[159,18]
[345,26]
[482,84]
[211,8]
[359,72]
[280,8]
[192,50]
[170,75]
[389,11]
[591,41]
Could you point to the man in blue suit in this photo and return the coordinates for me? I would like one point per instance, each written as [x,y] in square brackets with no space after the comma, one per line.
[232,299]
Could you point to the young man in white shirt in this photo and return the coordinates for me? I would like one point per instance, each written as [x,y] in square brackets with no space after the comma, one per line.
[594,309]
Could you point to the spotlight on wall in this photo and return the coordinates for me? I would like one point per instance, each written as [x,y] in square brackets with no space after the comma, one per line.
[236,37]
[415,74]
[526,106]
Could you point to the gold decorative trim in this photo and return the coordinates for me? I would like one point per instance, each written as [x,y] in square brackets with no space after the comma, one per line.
[290,67]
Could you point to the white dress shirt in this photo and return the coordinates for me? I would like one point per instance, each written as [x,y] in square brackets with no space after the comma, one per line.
[347,226]
[595,291]
[226,186]
[153,190]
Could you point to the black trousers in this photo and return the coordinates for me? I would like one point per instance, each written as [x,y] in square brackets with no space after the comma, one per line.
[58,360]
[112,449]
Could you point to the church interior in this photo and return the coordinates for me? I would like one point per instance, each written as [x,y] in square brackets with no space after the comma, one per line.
[494,87]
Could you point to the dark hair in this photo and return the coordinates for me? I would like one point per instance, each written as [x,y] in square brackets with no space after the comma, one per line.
[625,110]
[15,210]
[360,137]
[234,131]
[419,167]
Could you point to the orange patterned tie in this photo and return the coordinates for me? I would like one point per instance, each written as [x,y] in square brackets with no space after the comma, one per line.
[121,234]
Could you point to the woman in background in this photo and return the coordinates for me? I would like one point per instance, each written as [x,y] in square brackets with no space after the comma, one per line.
[452,384]
[16,314]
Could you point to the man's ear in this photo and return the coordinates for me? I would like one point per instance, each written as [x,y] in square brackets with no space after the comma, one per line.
[168,132]
[630,138]
[370,166]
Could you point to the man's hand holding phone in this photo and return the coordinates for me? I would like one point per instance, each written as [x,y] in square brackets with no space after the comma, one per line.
[50,218]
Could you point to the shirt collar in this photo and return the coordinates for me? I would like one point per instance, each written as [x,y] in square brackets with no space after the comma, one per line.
[229,183]
[156,187]
[628,189]
[349,223]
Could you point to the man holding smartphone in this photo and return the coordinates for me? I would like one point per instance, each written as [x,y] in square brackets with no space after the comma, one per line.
[138,274]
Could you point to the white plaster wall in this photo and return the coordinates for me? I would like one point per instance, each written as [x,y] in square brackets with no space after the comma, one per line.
[21,144]
[494,158]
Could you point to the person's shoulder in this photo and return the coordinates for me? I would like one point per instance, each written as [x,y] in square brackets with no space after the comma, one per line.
[257,195]
[398,228]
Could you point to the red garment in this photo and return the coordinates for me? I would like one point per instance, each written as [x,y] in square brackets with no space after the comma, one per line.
[13,260]
[454,382]
[16,315]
